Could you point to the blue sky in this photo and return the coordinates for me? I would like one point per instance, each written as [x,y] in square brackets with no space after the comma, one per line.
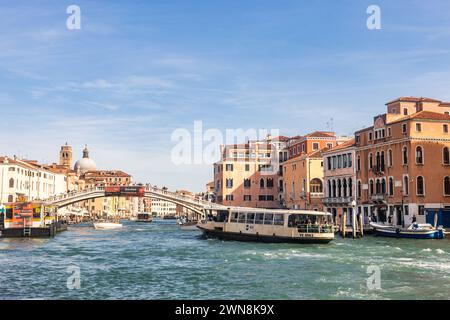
[137,70]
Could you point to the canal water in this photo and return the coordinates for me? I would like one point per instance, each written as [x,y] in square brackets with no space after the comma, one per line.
[158,261]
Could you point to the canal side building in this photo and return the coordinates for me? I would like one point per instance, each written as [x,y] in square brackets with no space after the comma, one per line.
[340,180]
[250,174]
[403,162]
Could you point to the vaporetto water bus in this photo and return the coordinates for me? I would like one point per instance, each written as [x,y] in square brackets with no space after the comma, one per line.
[268,225]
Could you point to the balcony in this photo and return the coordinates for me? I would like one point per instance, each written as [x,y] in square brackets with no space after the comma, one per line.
[378,197]
[316,195]
[337,200]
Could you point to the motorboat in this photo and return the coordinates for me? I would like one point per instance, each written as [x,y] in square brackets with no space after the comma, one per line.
[144,217]
[186,224]
[414,231]
[107,225]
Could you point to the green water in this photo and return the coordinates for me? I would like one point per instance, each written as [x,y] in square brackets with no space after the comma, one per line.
[159,261]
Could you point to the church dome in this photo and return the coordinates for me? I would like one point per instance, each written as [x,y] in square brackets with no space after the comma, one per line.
[85,164]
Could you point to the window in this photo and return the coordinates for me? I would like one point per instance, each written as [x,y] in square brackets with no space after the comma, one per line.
[359,191]
[262,197]
[370,136]
[447,186]
[445,156]
[261,183]
[229,197]
[234,217]
[229,183]
[247,167]
[329,145]
[247,183]
[329,163]
[371,187]
[229,167]
[269,183]
[445,128]
[349,157]
[391,186]
[419,155]
[10,198]
[11,183]
[268,218]
[278,219]
[247,197]
[406,210]
[405,155]
[418,127]
[350,187]
[370,161]
[269,197]
[405,185]
[390,158]
[242,217]
[259,218]
[404,128]
[405,111]
[389,131]
[315,146]
[420,186]
[358,164]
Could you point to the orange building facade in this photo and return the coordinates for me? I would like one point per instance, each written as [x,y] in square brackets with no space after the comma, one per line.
[403,163]
[249,175]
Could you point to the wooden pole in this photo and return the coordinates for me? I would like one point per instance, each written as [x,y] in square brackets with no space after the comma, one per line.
[353,223]
[343,224]
[361,221]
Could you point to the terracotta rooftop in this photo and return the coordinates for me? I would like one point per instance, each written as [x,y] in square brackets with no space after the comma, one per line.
[413,99]
[428,115]
[344,145]
[320,134]
[106,173]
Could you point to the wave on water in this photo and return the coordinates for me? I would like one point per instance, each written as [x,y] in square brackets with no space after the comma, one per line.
[427,250]
[440,251]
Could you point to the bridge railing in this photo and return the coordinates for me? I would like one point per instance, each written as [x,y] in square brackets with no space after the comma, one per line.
[72,194]
[177,196]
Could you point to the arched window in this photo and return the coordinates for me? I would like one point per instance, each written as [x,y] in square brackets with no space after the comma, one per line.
[420,186]
[382,161]
[329,188]
[316,185]
[377,187]
[419,155]
[359,189]
[370,161]
[391,186]
[269,183]
[350,187]
[344,187]
[261,183]
[371,187]
[383,186]
[405,185]
[405,155]
[447,186]
[358,164]
[390,158]
[11,183]
[445,156]
[334,188]
[339,188]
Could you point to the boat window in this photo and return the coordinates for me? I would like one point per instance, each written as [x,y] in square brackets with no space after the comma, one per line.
[259,217]
[268,218]
[234,217]
[279,219]
[9,213]
[241,217]
[250,218]
[222,216]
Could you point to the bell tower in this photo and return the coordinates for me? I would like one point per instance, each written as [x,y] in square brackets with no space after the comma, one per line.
[65,156]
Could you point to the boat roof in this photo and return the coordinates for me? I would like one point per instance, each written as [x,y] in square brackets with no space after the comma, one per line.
[284,211]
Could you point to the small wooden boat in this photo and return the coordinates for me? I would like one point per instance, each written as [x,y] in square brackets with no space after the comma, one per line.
[414,231]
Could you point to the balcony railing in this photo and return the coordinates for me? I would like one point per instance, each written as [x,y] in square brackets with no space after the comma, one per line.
[378,197]
[337,200]
[316,194]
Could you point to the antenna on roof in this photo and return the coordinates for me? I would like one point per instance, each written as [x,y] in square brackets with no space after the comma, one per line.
[330,125]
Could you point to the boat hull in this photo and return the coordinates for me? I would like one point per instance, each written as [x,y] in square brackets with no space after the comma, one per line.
[107,226]
[234,236]
[434,234]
